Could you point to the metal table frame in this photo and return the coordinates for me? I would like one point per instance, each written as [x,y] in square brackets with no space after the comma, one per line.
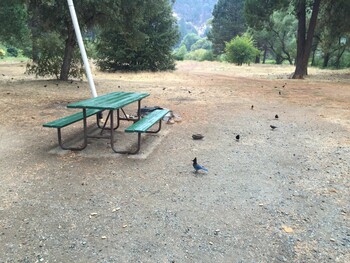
[112,102]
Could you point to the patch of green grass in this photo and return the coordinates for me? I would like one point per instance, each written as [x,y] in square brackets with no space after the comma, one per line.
[14,59]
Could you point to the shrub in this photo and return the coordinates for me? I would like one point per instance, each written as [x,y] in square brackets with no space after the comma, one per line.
[12,52]
[200,55]
[2,53]
[51,58]
[241,50]
[180,53]
[202,43]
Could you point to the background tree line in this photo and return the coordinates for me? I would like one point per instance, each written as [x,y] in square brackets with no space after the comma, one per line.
[299,32]
[145,35]
[119,34]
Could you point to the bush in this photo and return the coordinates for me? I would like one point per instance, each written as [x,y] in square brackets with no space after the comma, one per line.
[180,53]
[200,55]
[12,52]
[202,43]
[2,53]
[240,50]
[51,58]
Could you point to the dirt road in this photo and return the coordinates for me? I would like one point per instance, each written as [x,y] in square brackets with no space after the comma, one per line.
[277,195]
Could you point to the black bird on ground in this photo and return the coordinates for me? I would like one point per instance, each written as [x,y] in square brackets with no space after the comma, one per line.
[237,137]
[276,116]
[273,127]
[252,107]
[280,93]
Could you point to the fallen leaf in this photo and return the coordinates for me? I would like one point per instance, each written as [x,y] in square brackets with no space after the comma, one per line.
[287,229]
[116,209]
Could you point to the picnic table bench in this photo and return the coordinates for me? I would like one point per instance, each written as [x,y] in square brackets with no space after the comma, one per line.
[68,120]
[144,124]
[111,102]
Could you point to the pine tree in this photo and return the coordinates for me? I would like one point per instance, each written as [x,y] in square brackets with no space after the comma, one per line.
[140,38]
[228,22]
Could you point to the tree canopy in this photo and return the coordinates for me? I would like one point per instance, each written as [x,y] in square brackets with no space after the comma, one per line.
[134,32]
[139,37]
[228,22]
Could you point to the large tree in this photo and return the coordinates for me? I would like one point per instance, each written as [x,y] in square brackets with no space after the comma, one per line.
[53,18]
[334,26]
[13,20]
[306,12]
[140,37]
[228,22]
[305,35]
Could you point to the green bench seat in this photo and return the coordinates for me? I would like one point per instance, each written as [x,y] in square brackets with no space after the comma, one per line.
[148,121]
[65,121]
[143,125]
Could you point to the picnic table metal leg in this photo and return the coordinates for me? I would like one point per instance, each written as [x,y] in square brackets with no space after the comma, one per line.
[59,134]
[159,127]
[138,136]
[103,128]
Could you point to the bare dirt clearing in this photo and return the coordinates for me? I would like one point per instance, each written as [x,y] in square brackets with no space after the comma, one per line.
[274,196]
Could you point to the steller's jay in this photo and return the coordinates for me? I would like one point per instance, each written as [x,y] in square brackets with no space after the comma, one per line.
[198,167]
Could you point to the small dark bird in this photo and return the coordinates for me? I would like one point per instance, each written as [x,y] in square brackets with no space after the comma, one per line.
[45,86]
[197,136]
[273,127]
[164,88]
[78,87]
[198,167]
[237,137]
[252,107]
[284,85]
[276,116]
[189,91]
[280,93]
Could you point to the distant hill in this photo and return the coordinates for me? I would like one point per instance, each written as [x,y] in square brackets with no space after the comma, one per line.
[193,15]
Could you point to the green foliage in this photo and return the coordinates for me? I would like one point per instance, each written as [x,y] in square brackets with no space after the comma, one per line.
[185,28]
[189,40]
[14,30]
[51,58]
[200,55]
[12,52]
[241,50]
[139,37]
[228,22]
[2,53]
[257,12]
[334,24]
[180,53]
[202,43]
[278,36]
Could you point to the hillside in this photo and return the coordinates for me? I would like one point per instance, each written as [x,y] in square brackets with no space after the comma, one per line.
[194,13]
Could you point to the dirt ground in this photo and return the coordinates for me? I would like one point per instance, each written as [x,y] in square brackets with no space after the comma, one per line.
[273,196]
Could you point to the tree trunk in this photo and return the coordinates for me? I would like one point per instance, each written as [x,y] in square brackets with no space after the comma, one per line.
[68,53]
[257,59]
[304,39]
[339,55]
[265,54]
[326,60]
[34,28]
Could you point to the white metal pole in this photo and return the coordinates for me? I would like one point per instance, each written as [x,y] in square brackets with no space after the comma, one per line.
[82,48]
